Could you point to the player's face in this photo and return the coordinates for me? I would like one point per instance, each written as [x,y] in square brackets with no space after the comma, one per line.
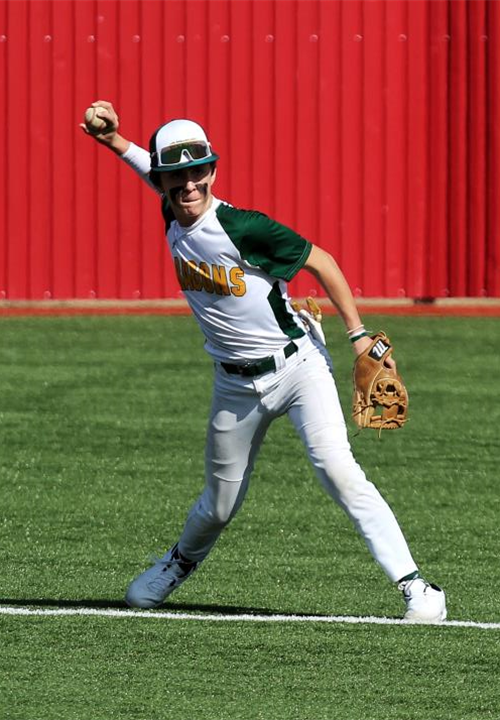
[189,192]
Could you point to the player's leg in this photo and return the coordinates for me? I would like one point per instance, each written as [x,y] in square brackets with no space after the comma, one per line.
[237,425]
[317,415]
[316,412]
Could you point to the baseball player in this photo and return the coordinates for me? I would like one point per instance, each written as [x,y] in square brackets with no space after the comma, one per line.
[233,266]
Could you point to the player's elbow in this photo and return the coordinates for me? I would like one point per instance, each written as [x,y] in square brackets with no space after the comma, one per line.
[319,262]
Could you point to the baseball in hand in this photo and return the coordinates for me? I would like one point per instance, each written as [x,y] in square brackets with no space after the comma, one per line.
[94,123]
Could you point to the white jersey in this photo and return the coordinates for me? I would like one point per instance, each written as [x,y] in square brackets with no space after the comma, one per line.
[233,267]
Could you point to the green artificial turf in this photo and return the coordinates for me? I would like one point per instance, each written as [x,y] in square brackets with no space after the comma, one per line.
[102,424]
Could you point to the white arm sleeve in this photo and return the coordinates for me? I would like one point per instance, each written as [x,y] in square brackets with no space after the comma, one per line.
[138,159]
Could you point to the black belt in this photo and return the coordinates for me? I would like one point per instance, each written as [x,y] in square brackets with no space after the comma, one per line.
[251,369]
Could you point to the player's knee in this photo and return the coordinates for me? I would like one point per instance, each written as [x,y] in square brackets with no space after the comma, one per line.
[218,511]
[218,517]
[343,478]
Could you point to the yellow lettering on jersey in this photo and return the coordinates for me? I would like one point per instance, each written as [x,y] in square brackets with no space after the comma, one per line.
[196,278]
[192,276]
[206,279]
[220,280]
[187,275]
[178,272]
[238,285]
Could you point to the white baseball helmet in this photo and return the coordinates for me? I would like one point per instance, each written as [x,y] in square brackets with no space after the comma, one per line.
[179,144]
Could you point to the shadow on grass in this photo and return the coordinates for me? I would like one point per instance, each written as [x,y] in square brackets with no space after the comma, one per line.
[120,604]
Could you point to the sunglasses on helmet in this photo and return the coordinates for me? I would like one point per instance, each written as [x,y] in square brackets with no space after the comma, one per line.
[176,154]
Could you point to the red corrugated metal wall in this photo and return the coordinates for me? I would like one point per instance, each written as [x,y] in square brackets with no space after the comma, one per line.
[371,126]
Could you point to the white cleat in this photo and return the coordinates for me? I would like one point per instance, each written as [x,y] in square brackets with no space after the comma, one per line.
[425,602]
[150,589]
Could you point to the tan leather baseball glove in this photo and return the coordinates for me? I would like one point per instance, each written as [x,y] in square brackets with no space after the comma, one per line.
[380,399]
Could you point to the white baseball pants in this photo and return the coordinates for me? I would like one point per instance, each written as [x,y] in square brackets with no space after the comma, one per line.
[243,408]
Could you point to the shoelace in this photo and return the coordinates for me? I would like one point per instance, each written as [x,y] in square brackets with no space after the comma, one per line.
[405,586]
[186,568]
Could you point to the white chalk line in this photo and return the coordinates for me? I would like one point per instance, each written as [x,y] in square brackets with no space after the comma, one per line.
[246,617]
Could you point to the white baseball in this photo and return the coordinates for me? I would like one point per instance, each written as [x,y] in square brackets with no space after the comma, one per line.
[95,123]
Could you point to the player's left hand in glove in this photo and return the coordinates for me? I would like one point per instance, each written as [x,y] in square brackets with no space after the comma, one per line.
[311,318]
[380,398]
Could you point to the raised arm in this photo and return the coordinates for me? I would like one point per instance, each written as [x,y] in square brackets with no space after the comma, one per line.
[135,156]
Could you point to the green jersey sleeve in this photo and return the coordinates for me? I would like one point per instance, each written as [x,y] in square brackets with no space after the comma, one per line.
[263,242]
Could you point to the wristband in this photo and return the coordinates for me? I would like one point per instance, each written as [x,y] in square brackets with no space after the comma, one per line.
[359,336]
[355,331]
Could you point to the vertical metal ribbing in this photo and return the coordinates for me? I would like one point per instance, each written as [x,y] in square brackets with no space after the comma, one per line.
[493,151]
[477,135]
[328,133]
[17,110]
[383,142]
[458,157]
[4,209]
[436,269]
[304,164]
[371,126]
[287,144]
[351,40]
[373,266]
